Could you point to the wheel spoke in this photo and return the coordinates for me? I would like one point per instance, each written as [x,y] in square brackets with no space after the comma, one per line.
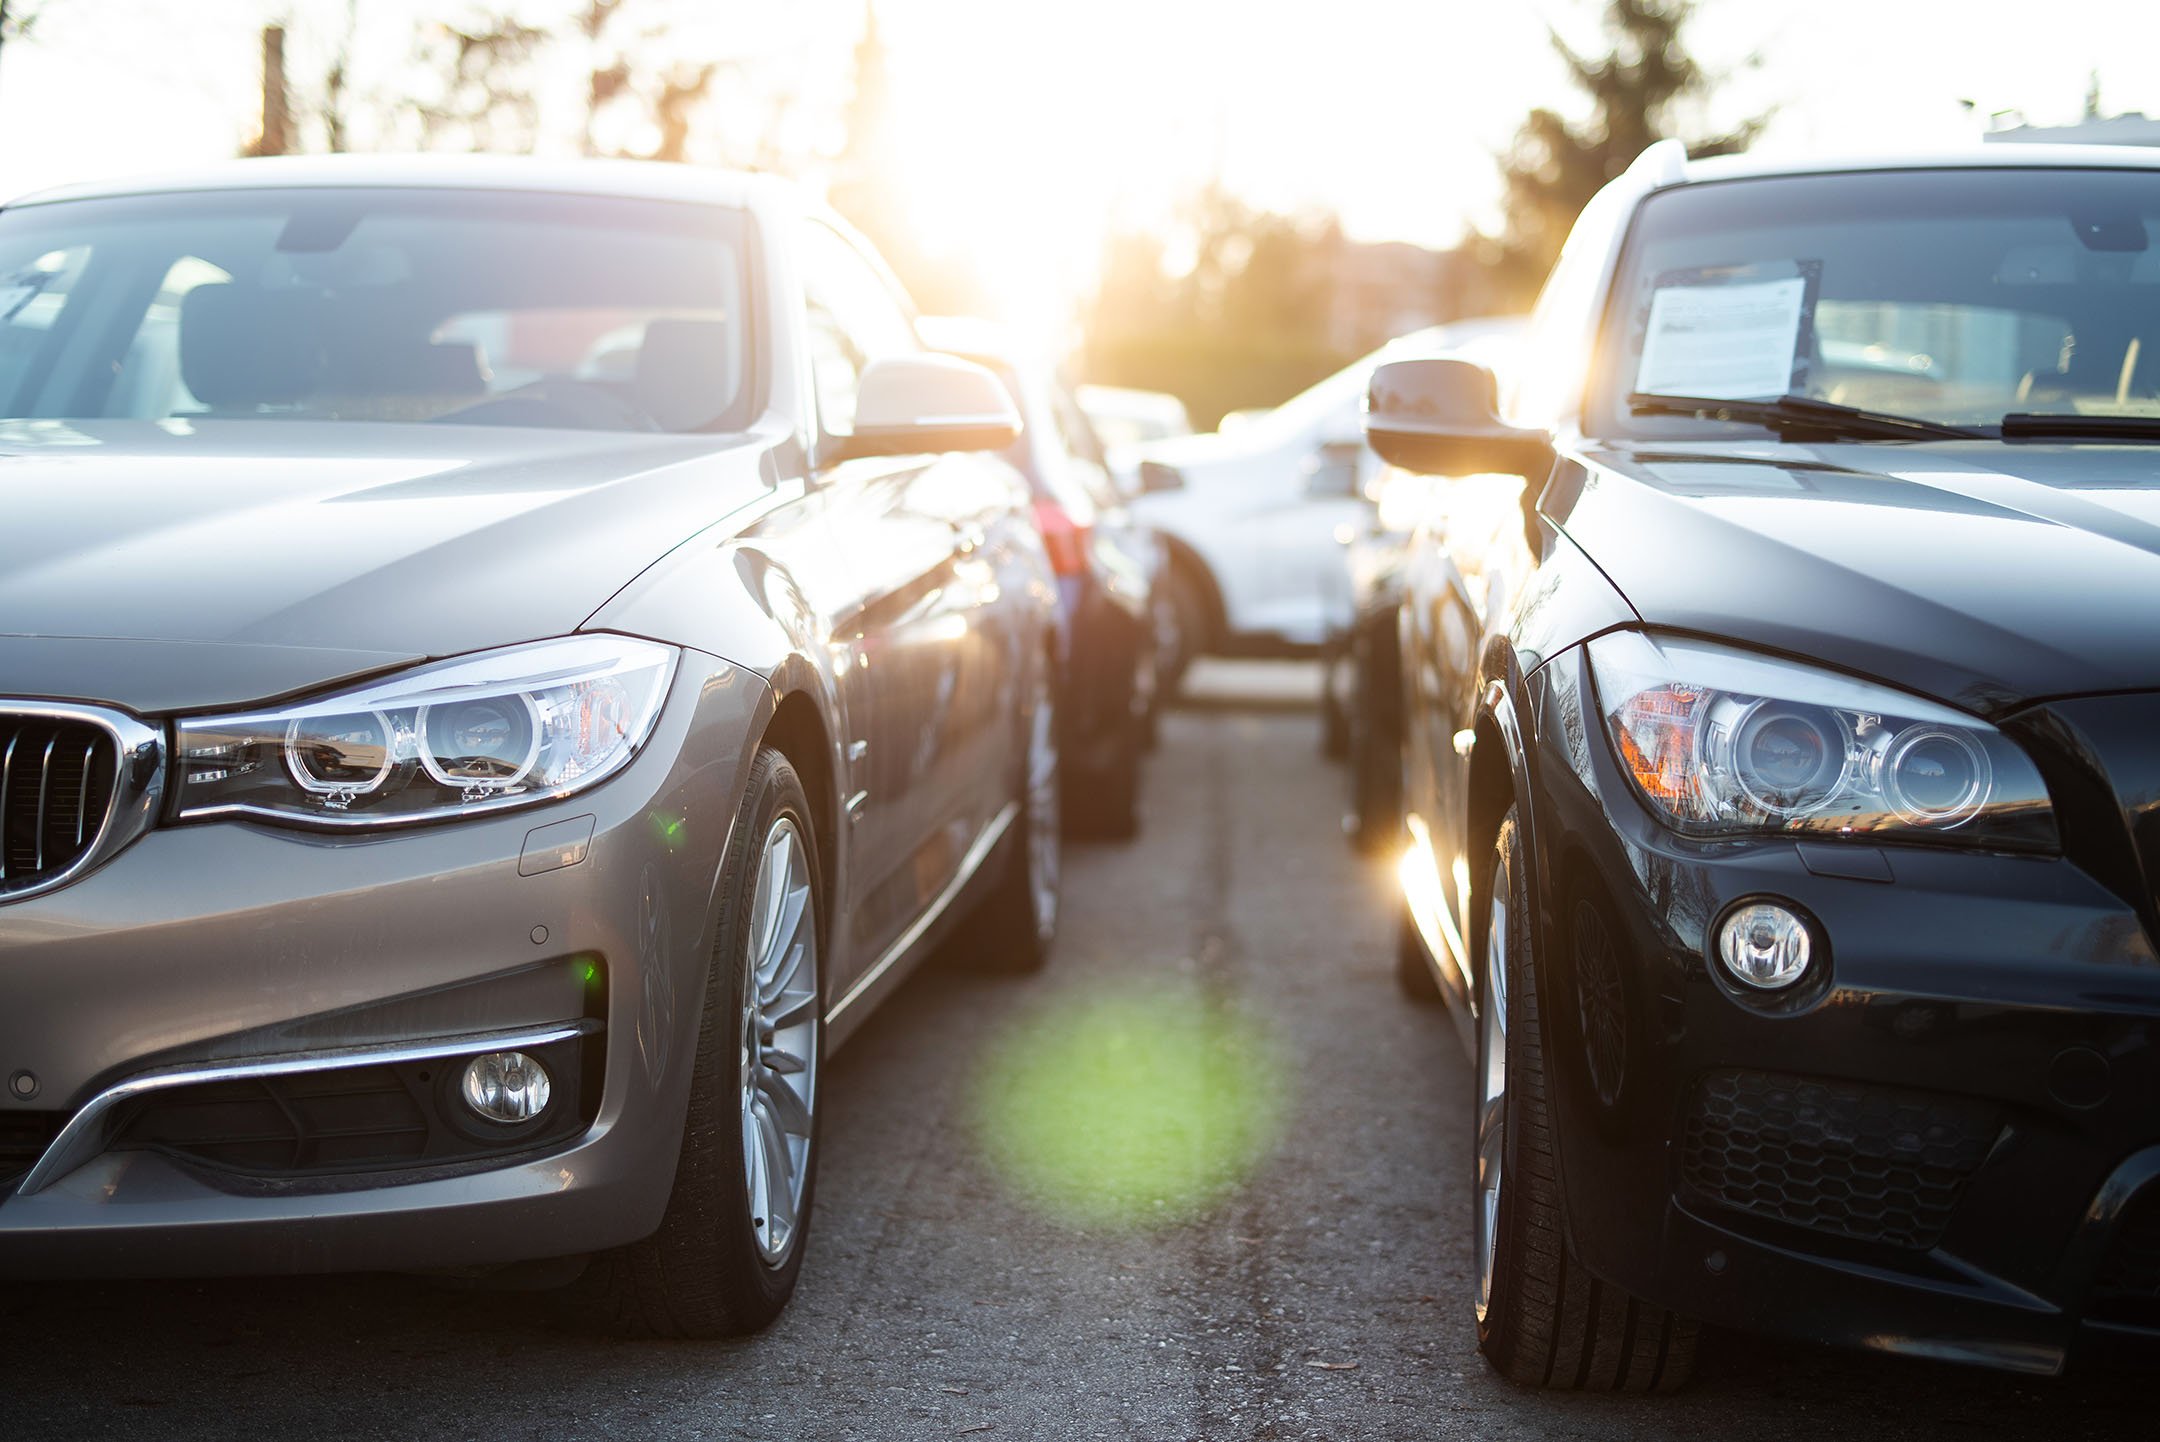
[781,948]
[781,1167]
[787,1108]
[789,1009]
[757,1172]
[784,1063]
[784,965]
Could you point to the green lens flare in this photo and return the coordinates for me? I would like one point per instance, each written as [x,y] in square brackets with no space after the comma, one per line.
[1137,1110]
[670,829]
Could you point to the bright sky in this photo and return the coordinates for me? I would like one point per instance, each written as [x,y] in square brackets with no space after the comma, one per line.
[1029,126]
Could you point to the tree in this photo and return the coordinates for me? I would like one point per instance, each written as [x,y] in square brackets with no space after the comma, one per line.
[665,97]
[19,18]
[1229,310]
[869,187]
[275,137]
[486,91]
[1638,90]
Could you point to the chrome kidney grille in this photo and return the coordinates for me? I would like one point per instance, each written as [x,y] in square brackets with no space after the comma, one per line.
[56,786]
[76,783]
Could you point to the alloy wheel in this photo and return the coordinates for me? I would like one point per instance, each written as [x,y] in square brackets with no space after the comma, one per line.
[1492,1094]
[779,1040]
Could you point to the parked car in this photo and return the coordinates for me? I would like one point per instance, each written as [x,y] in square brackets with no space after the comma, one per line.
[1255,520]
[1106,567]
[1360,684]
[459,781]
[1124,417]
[1779,788]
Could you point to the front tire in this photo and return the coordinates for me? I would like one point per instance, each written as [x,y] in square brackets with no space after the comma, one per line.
[1334,710]
[1375,738]
[1542,1318]
[730,1245]
[1413,975]
[1185,632]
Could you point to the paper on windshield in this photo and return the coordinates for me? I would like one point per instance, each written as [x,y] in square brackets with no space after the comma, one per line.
[1727,342]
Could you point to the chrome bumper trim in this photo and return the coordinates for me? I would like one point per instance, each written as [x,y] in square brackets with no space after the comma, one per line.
[84,1137]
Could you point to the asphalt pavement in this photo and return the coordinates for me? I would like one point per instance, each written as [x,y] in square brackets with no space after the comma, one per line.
[1206,1177]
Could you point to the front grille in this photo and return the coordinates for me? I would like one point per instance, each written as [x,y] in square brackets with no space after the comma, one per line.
[2127,1287]
[56,785]
[1867,1163]
[24,1135]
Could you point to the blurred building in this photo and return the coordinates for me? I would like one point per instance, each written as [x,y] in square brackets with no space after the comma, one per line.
[1382,289]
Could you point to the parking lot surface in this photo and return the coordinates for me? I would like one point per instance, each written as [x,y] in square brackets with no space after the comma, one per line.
[1206,1177]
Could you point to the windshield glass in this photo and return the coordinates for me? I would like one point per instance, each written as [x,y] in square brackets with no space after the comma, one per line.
[1953,296]
[348,304]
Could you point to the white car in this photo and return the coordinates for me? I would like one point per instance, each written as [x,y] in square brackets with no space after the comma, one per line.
[1256,520]
[1125,417]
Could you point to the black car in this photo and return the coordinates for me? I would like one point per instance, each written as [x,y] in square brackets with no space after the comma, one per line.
[1783,789]
[1360,682]
[1105,565]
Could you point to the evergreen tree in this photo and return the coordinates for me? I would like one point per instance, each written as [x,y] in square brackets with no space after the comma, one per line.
[1638,89]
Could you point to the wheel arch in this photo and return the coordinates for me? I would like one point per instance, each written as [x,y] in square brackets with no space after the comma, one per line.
[797,730]
[1186,560]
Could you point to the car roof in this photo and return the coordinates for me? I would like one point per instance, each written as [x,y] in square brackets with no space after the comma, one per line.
[626,179]
[1973,157]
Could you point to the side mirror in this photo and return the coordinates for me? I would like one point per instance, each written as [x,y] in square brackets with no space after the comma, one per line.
[1155,478]
[1442,418]
[917,404]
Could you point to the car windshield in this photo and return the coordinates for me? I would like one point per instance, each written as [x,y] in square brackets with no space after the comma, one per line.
[354,304]
[1948,296]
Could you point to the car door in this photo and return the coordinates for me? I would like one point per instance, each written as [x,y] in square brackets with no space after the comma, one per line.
[908,660]
[1129,552]
[1305,498]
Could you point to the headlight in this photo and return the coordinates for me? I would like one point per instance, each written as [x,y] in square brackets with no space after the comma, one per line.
[502,728]
[1723,742]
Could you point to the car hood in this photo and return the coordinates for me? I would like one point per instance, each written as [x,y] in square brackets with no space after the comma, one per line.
[1985,574]
[1204,452]
[177,565]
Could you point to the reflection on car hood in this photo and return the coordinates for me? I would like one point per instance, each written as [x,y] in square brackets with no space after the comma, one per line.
[172,565]
[1196,453]
[1984,574]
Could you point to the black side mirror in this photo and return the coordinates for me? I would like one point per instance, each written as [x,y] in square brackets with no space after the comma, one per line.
[1442,418]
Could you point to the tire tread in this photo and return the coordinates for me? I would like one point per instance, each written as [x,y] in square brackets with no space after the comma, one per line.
[1554,1324]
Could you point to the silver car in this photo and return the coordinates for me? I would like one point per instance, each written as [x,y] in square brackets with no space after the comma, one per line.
[502,666]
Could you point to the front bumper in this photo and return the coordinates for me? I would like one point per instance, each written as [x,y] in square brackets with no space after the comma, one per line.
[1943,1150]
[216,946]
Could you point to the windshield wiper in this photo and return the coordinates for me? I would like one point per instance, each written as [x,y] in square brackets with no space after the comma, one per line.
[1804,413]
[2025,425]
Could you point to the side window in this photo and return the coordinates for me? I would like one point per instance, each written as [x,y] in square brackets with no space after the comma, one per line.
[855,318]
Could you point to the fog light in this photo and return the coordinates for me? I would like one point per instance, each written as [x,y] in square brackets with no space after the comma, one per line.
[1763,945]
[506,1086]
